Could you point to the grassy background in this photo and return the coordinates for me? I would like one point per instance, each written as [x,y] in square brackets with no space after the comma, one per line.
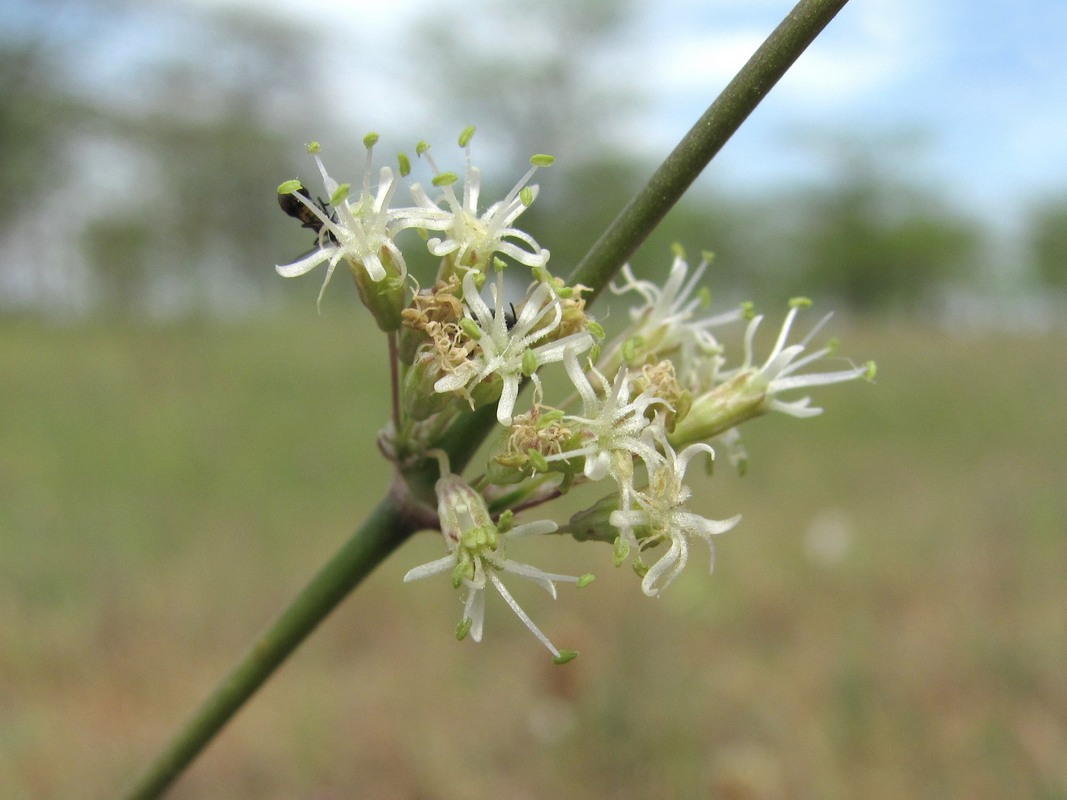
[889,620]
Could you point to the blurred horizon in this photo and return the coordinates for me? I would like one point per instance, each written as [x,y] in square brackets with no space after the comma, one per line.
[147,140]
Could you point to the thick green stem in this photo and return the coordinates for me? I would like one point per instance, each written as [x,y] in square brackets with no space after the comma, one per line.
[644,212]
[388,526]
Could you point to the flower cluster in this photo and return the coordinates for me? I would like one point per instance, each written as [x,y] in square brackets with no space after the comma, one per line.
[638,409]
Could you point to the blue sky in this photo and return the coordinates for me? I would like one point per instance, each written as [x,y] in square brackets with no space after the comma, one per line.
[982,85]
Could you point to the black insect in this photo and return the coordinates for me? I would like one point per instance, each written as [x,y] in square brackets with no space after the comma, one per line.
[308,218]
[510,317]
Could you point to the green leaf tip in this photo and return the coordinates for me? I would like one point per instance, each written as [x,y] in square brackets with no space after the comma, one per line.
[565,656]
[288,187]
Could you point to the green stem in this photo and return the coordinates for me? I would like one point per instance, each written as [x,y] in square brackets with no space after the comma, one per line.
[644,212]
[388,527]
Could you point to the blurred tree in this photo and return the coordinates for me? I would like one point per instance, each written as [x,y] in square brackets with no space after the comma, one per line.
[529,72]
[1048,242]
[164,161]
[874,242]
[535,77]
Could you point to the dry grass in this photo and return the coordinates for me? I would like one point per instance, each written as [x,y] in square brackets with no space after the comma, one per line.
[887,621]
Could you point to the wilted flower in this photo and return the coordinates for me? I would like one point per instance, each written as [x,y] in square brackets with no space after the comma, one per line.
[509,350]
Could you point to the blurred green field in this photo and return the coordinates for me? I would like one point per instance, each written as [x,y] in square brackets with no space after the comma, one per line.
[888,621]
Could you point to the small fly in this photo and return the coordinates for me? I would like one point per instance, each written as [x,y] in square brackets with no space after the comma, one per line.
[308,218]
[510,317]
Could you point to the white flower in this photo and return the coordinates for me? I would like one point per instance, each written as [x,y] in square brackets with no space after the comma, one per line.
[359,230]
[471,238]
[610,426]
[749,391]
[778,373]
[669,321]
[476,554]
[660,517]
[508,350]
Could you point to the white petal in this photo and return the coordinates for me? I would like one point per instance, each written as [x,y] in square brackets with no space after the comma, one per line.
[522,615]
[430,568]
[305,264]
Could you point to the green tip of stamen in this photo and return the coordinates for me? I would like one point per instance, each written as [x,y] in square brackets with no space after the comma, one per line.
[748,309]
[370,140]
[677,250]
[704,297]
[339,194]
[585,580]
[445,179]
[313,147]
[459,572]
[421,147]
[470,327]
[506,521]
[529,362]
[526,195]
[404,163]
[596,329]
[565,656]
[872,370]
[707,256]
[542,160]
[465,135]
[537,460]
[499,264]
[463,629]
[629,348]
[288,187]
[799,302]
